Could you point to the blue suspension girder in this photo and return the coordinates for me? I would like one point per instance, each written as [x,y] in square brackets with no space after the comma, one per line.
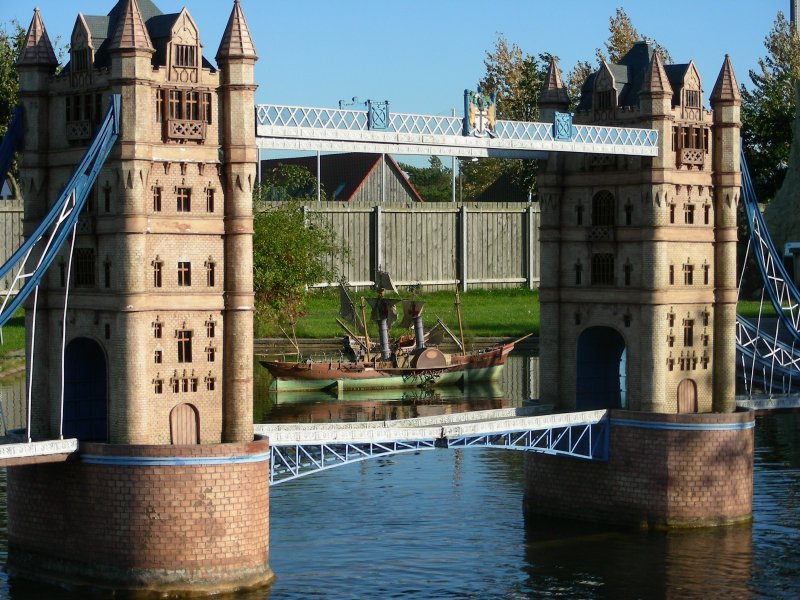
[64,213]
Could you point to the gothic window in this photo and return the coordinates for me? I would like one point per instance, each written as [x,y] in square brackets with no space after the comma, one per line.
[210,200]
[107,199]
[627,269]
[175,104]
[193,384]
[688,214]
[158,386]
[81,60]
[84,267]
[210,383]
[158,329]
[184,339]
[688,274]
[107,273]
[602,269]
[206,107]
[706,317]
[175,384]
[158,357]
[706,213]
[672,213]
[160,94]
[211,328]
[605,99]
[184,274]
[578,273]
[688,332]
[671,319]
[579,214]
[628,214]
[603,209]
[692,98]
[183,197]
[672,274]
[211,353]
[158,268]
[705,274]
[156,199]
[211,267]
[185,56]
[192,105]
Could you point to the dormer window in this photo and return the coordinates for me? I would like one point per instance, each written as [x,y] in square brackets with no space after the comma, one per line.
[81,60]
[605,99]
[185,56]
[692,98]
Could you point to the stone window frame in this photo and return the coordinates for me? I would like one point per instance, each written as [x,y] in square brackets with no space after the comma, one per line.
[183,339]
[85,262]
[183,199]
[158,272]
[158,193]
[603,268]
[184,273]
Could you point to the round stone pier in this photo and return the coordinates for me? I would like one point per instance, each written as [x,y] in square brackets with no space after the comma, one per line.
[663,470]
[167,519]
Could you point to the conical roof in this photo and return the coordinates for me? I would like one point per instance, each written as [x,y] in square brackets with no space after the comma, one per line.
[131,34]
[37,49]
[236,41]
[726,89]
[553,91]
[655,78]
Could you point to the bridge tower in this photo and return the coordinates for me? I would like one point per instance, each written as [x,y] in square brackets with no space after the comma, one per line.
[170,491]
[638,298]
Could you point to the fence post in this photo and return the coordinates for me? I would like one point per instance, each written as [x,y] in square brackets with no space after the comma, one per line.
[377,243]
[462,262]
[529,249]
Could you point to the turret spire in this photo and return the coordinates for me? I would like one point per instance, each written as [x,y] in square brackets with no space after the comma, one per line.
[37,49]
[553,91]
[236,41]
[655,78]
[131,34]
[726,89]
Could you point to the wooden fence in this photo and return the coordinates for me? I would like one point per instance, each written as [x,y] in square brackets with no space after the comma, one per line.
[10,234]
[482,245]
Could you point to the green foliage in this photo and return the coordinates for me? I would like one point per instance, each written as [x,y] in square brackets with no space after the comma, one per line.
[291,250]
[288,182]
[768,109]
[433,183]
[13,334]
[12,37]
[622,36]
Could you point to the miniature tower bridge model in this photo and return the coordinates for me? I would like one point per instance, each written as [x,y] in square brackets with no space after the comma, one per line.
[139,307]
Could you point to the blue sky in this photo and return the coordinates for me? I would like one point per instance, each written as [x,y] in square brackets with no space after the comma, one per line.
[421,55]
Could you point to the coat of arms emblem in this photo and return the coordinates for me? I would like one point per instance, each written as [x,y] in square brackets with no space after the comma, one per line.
[479,114]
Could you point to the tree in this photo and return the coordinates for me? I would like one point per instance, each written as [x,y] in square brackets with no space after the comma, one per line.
[769,108]
[622,36]
[434,182]
[12,36]
[292,249]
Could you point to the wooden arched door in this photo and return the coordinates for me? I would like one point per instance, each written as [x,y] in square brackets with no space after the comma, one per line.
[687,396]
[184,426]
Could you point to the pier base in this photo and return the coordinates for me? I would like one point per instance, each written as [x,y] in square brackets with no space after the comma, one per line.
[663,470]
[165,519]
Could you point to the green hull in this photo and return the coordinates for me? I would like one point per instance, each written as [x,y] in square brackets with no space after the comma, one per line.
[336,386]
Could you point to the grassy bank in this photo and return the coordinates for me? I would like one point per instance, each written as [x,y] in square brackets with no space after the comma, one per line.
[503,313]
[13,335]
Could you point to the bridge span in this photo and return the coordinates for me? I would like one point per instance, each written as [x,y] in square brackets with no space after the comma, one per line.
[299,449]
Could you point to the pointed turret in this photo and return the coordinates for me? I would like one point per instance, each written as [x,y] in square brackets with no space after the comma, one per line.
[553,92]
[655,78]
[130,33]
[236,41]
[37,49]
[726,89]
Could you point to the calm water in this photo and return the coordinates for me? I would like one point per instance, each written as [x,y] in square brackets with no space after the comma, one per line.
[448,524]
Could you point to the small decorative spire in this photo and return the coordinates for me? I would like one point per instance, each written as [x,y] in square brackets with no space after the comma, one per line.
[553,91]
[37,49]
[236,41]
[131,34]
[726,89]
[655,79]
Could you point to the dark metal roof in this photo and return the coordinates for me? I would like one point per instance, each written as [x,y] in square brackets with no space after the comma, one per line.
[629,75]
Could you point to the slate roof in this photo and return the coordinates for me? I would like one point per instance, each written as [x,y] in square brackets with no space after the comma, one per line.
[629,75]
[344,173]
[158,25]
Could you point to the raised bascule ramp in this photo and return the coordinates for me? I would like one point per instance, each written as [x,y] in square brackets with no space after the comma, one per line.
[30,262]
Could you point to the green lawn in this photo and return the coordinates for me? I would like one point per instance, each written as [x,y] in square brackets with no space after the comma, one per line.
[13,334]
[503,313]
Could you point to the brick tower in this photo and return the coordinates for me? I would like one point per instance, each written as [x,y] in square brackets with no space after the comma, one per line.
[158,354]
[638,286]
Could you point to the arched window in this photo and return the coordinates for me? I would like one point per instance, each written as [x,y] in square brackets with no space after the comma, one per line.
[603,208]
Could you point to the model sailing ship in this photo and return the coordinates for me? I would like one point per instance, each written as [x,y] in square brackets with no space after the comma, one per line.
[411,361]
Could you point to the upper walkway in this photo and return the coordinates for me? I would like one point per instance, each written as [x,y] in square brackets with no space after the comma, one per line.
[346,130]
